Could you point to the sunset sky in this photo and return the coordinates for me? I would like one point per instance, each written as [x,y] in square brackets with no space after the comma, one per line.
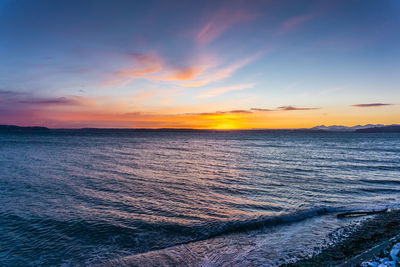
[199,64]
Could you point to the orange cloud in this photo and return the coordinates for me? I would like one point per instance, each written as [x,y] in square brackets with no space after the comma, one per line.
[112,115]
[213,75]
[152,67]
[183,74]
[196,83]
[236,111]
[201,72]
[147,94]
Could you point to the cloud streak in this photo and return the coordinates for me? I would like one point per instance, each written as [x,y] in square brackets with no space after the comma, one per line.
[223,90]
[253,110]
[295,22]
[64,101]
[261,109]
[236,111]
[221,21]
[192,73]
[144,64]
[371,105]
[10,99]
[152,67]
[291,108]
[216,74]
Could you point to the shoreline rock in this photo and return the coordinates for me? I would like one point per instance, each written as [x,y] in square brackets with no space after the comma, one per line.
[374,236]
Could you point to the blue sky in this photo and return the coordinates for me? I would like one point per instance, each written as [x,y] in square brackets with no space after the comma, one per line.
[191,63]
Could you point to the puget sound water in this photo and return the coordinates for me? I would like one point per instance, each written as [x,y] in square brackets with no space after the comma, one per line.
[185,198]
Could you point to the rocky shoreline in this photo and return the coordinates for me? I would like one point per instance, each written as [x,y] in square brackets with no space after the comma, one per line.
[370,244]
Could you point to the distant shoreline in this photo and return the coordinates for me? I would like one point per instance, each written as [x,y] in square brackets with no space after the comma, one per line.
[317,129]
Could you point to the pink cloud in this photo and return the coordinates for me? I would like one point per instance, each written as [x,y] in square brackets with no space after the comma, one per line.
[219,22]
[153,67]
[195,72]
[217,74]
[144,64]
[295,22]
[183,73]
[28,109]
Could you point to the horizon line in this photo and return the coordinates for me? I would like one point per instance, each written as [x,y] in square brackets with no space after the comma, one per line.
[198,129]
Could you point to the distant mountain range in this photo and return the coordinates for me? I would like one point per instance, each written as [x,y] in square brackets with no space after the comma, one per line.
[339,128]
[385,129]
[369,128]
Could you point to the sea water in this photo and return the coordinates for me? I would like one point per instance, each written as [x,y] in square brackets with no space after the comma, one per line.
[79,198]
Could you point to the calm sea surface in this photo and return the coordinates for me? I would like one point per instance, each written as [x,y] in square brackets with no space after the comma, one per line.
[88,198]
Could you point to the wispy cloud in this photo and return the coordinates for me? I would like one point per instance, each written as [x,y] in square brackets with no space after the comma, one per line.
[253,110]
[7,93]
[217,23]
[220,73]
[183,73]
[28,109]
[152,67]
[188,73]
[295,22]
[10,99]
[371,105]
[144,64]
[290,108]
[261,109]
[236,111]
[283,108]
[223,90]
[68,101]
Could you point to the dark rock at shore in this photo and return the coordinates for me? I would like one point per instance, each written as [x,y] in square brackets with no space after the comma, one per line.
[371,232]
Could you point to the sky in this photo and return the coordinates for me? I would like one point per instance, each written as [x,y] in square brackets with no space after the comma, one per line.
[199,64]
